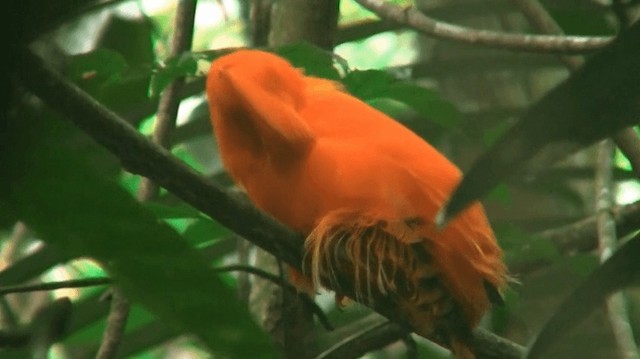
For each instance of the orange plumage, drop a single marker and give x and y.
(362, 188)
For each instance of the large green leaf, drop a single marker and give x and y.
(52, 189)
(375, 84)
(314, 60)
(597, 101)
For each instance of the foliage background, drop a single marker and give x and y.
(460, 98)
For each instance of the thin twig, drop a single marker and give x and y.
(74, 283)
(581, 236)
(255, 271)
(116, 323)
(315, 309)
(362, 29)
(415, 19)
(615, 304)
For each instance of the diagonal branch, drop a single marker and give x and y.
(412, 17)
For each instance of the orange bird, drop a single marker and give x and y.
(362, 188)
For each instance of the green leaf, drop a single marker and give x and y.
(315, 61)
(175, 67)
(391, 108)
(427, 103)
(375, 84)
(55, 192)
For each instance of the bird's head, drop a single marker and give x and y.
(276, 78)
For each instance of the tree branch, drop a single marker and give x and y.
(170, 98)
(116, 323)
(374, 331)
(412, 17)
(360, 30)
(582, 236)
(545, 24)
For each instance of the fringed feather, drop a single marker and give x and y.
(378, 263)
